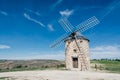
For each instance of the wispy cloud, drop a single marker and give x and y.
(50, 27)
(91, 7)
(4, 46)
(105, 52)
(31, 11)
(111, 7)
(66, 12)
(4, 13)
(57, 55)
(56, 3)
(34, 20)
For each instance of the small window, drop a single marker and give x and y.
(69, 42)
(81, 41)
(75, 50)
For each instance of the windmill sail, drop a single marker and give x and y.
(59, 40)
(67, 26)
(91, 22)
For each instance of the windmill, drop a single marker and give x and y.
(76, 45)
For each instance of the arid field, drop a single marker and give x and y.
(55, 70)
(58, 75)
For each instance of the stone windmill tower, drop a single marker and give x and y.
(76, 45)
(77, 56)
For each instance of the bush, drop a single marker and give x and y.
(25, 66)
(18, 66)
(61, 65)
(46, 66)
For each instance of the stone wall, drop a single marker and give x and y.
(82, 54)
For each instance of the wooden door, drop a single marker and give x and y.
(75, 62)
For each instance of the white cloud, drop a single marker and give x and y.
(31, 11)
(66, 12)
(54, 55)
(50, 27)
(4, 46)
(56, 3)
(105, 52)
(31, 19)
(37, 13)
(4, 13)
(105, 48)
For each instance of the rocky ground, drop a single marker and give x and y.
(58, 75)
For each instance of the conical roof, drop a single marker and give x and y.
(78, 36)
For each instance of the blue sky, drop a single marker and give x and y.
(28, 27)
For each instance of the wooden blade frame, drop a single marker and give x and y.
(59, 40)
(91, 22)
(67, 26)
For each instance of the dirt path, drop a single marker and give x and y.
(59, 75)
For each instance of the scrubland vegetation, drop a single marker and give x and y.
(107, 65)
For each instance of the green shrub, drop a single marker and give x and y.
(46, 66)
(18, 66)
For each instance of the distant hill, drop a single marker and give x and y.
(40, 64)
(29, 64)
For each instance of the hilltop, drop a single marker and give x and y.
(16, 65)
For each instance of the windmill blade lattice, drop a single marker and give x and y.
(67, 26)
(91, 22)
(59, 40)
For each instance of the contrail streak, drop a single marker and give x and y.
(111, 8)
